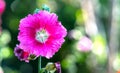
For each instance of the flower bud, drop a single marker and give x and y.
(50, 66)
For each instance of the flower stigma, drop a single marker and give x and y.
(41, 36)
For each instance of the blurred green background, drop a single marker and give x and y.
(96, 19)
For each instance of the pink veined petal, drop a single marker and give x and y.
(26, 34)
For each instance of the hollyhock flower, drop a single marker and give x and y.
(41, 34)
(84, 44)
(22, 55)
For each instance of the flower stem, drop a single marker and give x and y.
(39, 64)
(0, 56)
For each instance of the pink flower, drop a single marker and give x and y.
(2, 6)
(22, 55)
(84, 44)
(41, 34)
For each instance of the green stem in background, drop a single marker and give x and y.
(39, 64)
(0, 56)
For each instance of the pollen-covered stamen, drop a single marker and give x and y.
(41, 36)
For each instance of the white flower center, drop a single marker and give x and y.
(41, 36)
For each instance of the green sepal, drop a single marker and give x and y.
(45, 7)
(43, 70)
(36, 10)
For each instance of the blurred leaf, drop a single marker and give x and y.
(116, 63)
(6, 52)
(5, 38)
(81, 16)
(99, 48)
